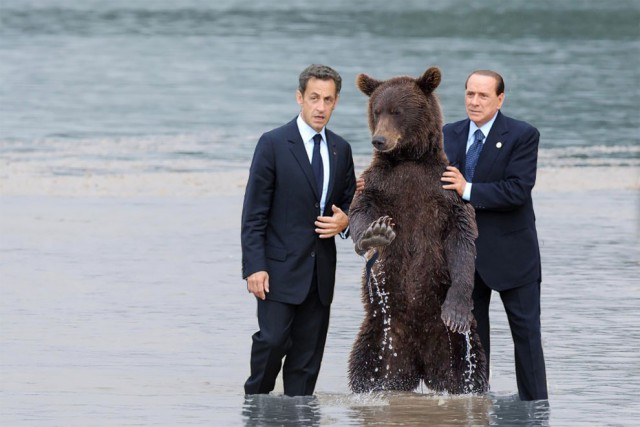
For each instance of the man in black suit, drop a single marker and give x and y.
(297, 198)
(498, 156)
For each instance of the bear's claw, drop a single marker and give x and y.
(456, 319)
(380, 233)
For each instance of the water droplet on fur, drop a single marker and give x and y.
(471, 363)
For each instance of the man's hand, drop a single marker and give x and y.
(329, 226)
(455, 179)
(258, 284)
(359, 185)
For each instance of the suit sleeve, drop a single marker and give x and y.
(349, 189)
(350, 183)
(256, 208)
(513, 189)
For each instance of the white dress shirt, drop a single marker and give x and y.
(307, 133)
(486, 128)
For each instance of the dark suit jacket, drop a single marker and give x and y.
(507, 244)
(281, 204)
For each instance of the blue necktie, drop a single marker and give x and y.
(472, 155)
(316, 163)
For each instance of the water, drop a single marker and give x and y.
(130, 311)
(198, 81)
(126, 129)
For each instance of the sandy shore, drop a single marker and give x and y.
(18, 182)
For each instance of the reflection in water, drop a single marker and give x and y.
(511, 411)
(394, 408)
(274, 410)
(407, 409)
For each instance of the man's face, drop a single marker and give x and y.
(317, 102)
(481, 100)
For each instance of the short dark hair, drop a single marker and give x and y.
(489, 73)
(321, 72)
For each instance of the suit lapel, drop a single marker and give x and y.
(493, 146)
(300, 154)
(461, 134)
(333, 159)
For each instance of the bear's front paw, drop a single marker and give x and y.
(456, 318)
(380, 233)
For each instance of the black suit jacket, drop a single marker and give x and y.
(507, 244)
(281, 204)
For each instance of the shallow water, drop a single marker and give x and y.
(131, 311)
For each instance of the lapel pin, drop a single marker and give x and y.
(499, 145)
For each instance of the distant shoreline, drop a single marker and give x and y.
(232, 182)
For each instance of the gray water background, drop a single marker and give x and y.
(131, 311)
(201, 80)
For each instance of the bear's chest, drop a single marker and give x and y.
(414, 198)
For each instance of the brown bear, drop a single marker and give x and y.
(419, 242)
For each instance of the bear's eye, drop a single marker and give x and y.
(394, 111)
(376, 113)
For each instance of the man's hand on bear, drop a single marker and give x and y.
(455, 180)
(456, 313)
(380, 233)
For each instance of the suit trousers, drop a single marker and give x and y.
(522, 305)
(296, 332)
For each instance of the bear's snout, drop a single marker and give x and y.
(379, 142)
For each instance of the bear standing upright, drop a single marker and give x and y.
(419, 239)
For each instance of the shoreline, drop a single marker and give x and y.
(232, 182)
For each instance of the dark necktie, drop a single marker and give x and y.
(472, 155)
(316, 163)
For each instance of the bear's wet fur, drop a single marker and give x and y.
(423, 237)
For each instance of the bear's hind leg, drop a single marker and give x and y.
(400, 376)
(365, 371)
(454, 367)
(376, 367)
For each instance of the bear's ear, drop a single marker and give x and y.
(367, 84)
(430, 80)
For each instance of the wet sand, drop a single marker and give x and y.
(15, 179)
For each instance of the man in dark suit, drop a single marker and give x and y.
(498, 159)
(299, 190)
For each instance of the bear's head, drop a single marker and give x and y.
(405, 117)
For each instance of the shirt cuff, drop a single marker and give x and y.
(345, 233)
(466, 194)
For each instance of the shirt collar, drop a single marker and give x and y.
(485, 128)
(306, 131)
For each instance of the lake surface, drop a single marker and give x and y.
(126, 129)
(198, 81)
